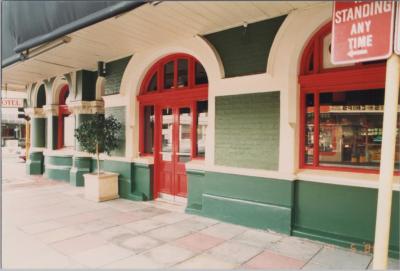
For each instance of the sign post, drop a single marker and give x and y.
(397, 35)
(362, 31)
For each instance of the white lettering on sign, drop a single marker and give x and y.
(362, 31)
(361, 12)
(9, 102)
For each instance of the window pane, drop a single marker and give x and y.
(169, 75)
(185, 124)
(153, 83)
(351, 128)
(148, 129)
(309, 130)
(182, 73)
(166, 134)
(200, 74)
(202, 122)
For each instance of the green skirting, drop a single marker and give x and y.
(58, 167)
(35, 164)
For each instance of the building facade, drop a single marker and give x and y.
(251, 124)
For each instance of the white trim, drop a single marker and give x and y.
(59, 152)
(51, 166)
(56, 87)
(36, 149)
(252, 172)
(144, 160)
(344, 178)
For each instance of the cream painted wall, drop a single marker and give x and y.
(281, 74)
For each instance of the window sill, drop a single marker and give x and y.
(344, 178)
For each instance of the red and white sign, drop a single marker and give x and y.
(12, 102)
(397, 36)
(362, 31)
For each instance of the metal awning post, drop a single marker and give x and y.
(384, 207)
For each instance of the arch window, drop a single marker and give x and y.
(179, 71)
(41, 97)
(65, 121)
(341, 110)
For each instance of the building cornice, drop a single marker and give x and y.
(51, 109)
(86, 107)
(35, 112)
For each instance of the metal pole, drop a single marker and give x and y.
(384, 208)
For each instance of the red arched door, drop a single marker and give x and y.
(173, 117)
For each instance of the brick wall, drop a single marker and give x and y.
(119, 113)
(247, 130)
(115, 71)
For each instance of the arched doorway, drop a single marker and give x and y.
(63, 113)
(173, 118)
(341, 110)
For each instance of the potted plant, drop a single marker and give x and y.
(96, 135)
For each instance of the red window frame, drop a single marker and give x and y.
(190, 94)
(62, 113)
(341, 79)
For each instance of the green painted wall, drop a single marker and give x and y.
(135, 181)
(86, 85)
(247, 130)
(52, 129)
(41, 97)
(115, 71)
(118, 113)
(245, 51)
(80, 166)
(342, 215)
(38, 132)
(35, 163)
(58, 167)
(251, 201)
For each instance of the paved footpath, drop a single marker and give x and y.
(49, 224)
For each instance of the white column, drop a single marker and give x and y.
(384, 208)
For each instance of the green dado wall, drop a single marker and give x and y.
(247, 130)
(343, 215)
(118, 113)
(58, 167)
(135, 181)
(115, 71)
(251, 201)
(243, 50)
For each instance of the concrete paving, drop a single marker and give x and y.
(49, 224)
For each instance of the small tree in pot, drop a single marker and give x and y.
(96, 135)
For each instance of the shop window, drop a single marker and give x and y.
(185, 142)
(202, 122)
(169, 75)
(148, 130)
(182, 73)
(152, 83)
(349, 125)
(200, 74)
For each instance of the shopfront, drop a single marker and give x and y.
(248, 123)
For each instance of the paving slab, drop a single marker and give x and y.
(224, 230)
(168, 255)
(339, 258)
(258, 238)
(168, 233)
(297, 248)
(115, 233)
(144, 225)
(234, 252)
(272, 260)
(198, 242)
(205, 262)
(78, 244)
(138, 243)
(102, 255)
(41, 227)
(134, 262)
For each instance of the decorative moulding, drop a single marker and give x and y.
(51, 109)
(86, 107)
(35, 112)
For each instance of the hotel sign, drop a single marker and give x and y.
(397, 37)
(362, 31)
(12, 103)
